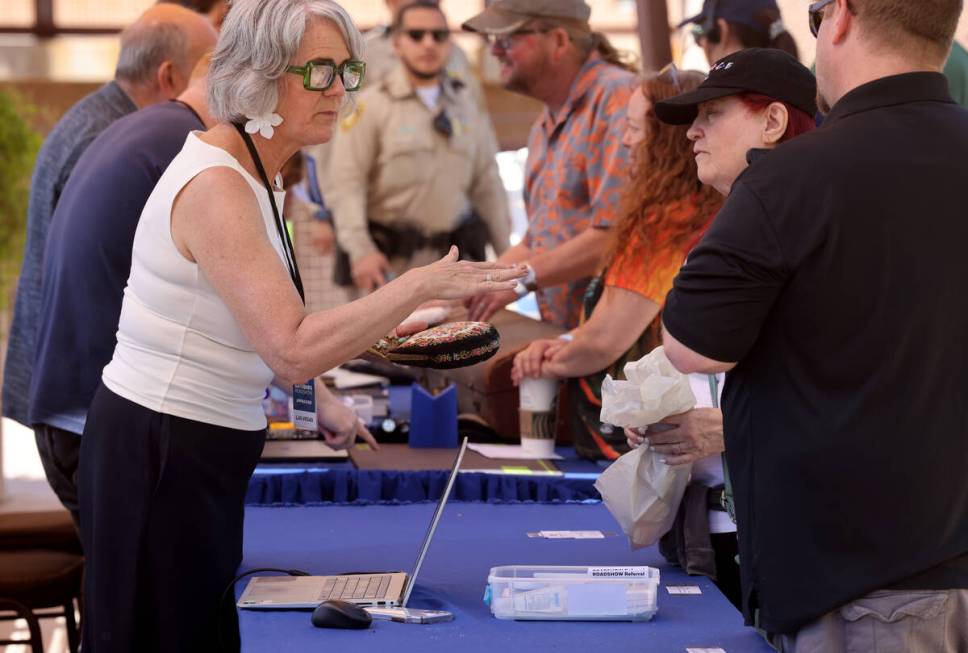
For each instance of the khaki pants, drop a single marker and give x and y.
(889, 621)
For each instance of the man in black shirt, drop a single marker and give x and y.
(832, 287)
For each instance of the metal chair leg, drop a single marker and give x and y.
(36, 640)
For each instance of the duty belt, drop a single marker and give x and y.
(403, 240)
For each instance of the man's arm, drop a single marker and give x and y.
(354, 153)
(572, 260)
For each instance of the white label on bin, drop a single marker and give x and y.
(619, 572)
(683, 589)
(572, 535)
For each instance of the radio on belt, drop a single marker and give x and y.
(541, 593)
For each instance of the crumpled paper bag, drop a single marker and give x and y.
(640, 490)
(654, 390)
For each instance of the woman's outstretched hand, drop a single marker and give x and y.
(449, 278)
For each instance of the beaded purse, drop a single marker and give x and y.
(457, 344)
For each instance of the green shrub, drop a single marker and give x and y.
(18, 150)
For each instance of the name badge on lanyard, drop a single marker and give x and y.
(304, 406)
(303, 394)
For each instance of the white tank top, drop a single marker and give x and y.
(180, 350)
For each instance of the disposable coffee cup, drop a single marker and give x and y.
(537, 416)
(538, 394)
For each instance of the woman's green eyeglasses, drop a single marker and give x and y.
(319, 75)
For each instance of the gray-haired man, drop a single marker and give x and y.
(158, 52)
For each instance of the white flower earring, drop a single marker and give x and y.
(264, 124)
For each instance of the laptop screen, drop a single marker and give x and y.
(433, 523)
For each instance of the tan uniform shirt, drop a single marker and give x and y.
(381, 60)
(391, 166)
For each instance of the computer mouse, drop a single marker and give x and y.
(341, 614)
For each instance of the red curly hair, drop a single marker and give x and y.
(663, 181)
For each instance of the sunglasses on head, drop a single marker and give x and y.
(319, 75)
(815, 14)
(670, 74)
(417, 35)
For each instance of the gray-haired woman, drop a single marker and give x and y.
(211, 313)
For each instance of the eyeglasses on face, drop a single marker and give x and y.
(319, 75)
(506, 42)
(815, 14)
(417, 35)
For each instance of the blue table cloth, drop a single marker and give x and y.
(472, 538)
(340, 482)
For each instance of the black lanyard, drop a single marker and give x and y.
(280, 225)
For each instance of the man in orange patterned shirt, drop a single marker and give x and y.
(576, 165)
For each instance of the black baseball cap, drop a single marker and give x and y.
(769, 72)
(742, 12)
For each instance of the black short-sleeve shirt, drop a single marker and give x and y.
(836, 276)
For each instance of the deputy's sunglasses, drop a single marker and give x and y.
(319, 75)
(815, 13)
(417, 35)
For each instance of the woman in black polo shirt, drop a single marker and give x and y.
(752, 101)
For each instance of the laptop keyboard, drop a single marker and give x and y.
(350, 588)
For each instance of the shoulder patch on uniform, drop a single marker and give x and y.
(350, 121)
(456, 79)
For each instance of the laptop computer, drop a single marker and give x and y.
(388, 590)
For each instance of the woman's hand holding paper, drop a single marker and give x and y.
(687, 437)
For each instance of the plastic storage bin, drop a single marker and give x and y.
(573, 593)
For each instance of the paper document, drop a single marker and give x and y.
(345, 379)
(683, 589)
(508, 451)
(568, 535)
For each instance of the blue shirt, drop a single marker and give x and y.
(88, 257)
(55, 162)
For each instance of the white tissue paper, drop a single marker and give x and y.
(640, 490)
(654, 390)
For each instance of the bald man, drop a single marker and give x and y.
(158, 52)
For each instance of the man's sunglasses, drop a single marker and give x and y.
(815, 13)
(417, 35)
(319, 75)
(506, 42)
